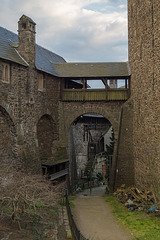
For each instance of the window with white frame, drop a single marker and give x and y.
(5, 72)
(41, 82)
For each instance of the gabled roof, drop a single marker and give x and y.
(44, 58)
(7, 50)
(24, 17)
(93, 70)
(54, 64)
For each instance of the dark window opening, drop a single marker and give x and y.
(24, 25)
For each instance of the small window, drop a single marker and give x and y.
(24, 25)
(41, 82)
(6, 72)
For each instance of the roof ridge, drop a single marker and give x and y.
(49, 51)
(28, 18)
(9, 31)
(15, 34)
(126, 62)
(44, 58)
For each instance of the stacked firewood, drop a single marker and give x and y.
(136, 195)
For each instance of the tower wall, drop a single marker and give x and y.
(144, 59)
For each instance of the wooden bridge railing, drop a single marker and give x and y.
(95, 94)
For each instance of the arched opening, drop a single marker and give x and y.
(46, 134)
(7, 138)
(52, 165)
(91, 145)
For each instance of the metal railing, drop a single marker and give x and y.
(88, 185)
(76, 234)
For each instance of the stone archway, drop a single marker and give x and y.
(72, 110)
(46, 134)
(69, 111)
(96, 112)
(89, 135)
(7, 138)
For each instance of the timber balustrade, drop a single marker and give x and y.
(95, 94)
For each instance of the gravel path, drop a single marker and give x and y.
(95, 219)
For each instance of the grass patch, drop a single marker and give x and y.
(143, 226)
(62, 201)
(71, 198)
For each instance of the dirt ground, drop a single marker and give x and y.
(42, 225)
(30, 207)
(95, 219)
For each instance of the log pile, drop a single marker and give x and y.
(137, 196)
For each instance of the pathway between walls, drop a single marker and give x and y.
(94, 217)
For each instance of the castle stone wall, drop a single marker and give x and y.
(144, 52)
(24, 104)
(125, 160)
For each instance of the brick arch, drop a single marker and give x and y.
(42, 113)
(72, 110)
(98, 113)
(8, 137)
(82, 115)
(46, 135)
(111, 111)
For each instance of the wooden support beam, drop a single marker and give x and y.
(84, 88)
(126, 83)
(104, 80)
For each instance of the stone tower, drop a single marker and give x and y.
(144, 59)
(26, 37)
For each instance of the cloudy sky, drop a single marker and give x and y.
(78, 30)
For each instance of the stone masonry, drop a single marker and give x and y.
(35, 122)
(144, 52)
(26, 113)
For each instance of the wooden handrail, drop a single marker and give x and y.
(95, 94)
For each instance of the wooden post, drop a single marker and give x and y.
(84, 88)
(106, 87)
(125, 83)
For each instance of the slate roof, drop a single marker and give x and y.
(7, 51)
(54, 64)
(44, 58)
(93, 70)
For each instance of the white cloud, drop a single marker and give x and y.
(78, 30)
